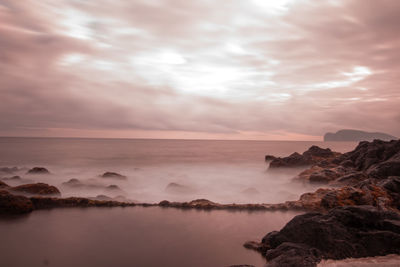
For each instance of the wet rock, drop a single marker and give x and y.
(352, 231)
(269, 157)
(312, 156)
(17, 180)
(48, 202)
(3, 185)
(11, 204)
(177, 188)
(36, 189)
(294, 160)
(103, 198)
(251, 191)
(316, 151)
(324, 176)
(38, 170)
(113, 175)
(9, 170)
(113, 187)
(370, 155)
(73, 183)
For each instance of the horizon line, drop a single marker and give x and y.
(176, 139)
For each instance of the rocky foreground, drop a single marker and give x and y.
(356, 213)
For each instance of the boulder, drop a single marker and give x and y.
(36, 189)
(312, 156)
(294, 160)
(269, 157)
(38, 170)
(351, 231)
(177, 188)
(113, 175)
(11, 204)
(3, 185)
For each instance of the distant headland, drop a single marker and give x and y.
(356, 135)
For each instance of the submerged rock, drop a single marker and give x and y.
(36, 189)
(177, 188)
(11, 204)
(9, 170)
(113, 175)
(352, 231)
(38, 170)
(17, 180)
(250, 191)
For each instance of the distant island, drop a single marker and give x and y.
(356, 135)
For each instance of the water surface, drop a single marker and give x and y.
(135, 236)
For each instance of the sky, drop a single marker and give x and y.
(202, 69)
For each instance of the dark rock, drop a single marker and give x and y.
(38, 170)
(17, 180)
(177, 188)
(9, 170)
(269, 157)
(36, 189)
(113, 175)
(323, 177)
(352, 231)
(49, 202)
(73, 182)
(294, 160)
(11, 204)
(316, 151)
(3, 185)
(312, 156)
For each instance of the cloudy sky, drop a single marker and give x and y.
(234, 69)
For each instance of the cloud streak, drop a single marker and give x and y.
(168, 68)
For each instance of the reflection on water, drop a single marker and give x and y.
(135, 236)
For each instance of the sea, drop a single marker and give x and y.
(217, 170)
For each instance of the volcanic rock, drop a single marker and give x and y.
(36, 189)
(352, 231)
(38, 170)
(113, 175)
(11, 204)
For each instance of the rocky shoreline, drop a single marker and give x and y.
(354, 214)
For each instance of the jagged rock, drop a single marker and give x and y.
(294, 160)
(3, 185)
(312, 156)
(11, 204)
(36, 189)
(316, 151)
(352, 231)
(368, 155)
(269, 157)
(38, 170)
(113, 175)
